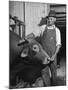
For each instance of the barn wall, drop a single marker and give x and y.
(33, 14)
(16, 9)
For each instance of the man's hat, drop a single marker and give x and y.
(52, 14)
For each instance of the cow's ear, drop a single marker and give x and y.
(24, 53)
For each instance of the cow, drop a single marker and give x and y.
(27, 60)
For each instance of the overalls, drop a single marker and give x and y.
(49, 45)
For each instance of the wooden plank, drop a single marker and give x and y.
(61, 27)
(62, 9)
(60, 24)
(60, 16)
(61, 20)
(58, 5)
(60, 12)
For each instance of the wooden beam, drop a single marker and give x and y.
(60, 24)
(63, 23)
(61, 27)
(61, 20)
(58, 5)
(60, 12)
(23, 28)
(60, 16)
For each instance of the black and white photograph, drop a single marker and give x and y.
(37, 44)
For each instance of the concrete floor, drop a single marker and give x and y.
(61, 73)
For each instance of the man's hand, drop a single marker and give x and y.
(46, 60)
(52, 58)
(57, 50)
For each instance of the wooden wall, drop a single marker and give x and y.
(60, 10)
(33, 14)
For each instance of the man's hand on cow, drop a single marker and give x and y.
(52, 58)
(46, 61)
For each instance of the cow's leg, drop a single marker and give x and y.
(38, 83)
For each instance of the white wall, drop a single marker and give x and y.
(33, 14)
(16, 9)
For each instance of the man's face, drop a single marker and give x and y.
(51, 20)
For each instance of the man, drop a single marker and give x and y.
(51, 42)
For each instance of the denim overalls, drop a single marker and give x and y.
(49, 45)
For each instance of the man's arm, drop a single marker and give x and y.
(57, 50)
(58, 43)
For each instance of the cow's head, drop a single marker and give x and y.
(32, 48)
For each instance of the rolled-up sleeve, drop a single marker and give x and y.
(58, 37)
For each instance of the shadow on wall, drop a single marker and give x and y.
(62, 51)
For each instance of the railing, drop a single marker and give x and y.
(18, 26)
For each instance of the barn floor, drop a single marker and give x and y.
(61, 75)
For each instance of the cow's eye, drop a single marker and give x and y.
(36, 48)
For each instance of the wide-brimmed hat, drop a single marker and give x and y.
(52, 13)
